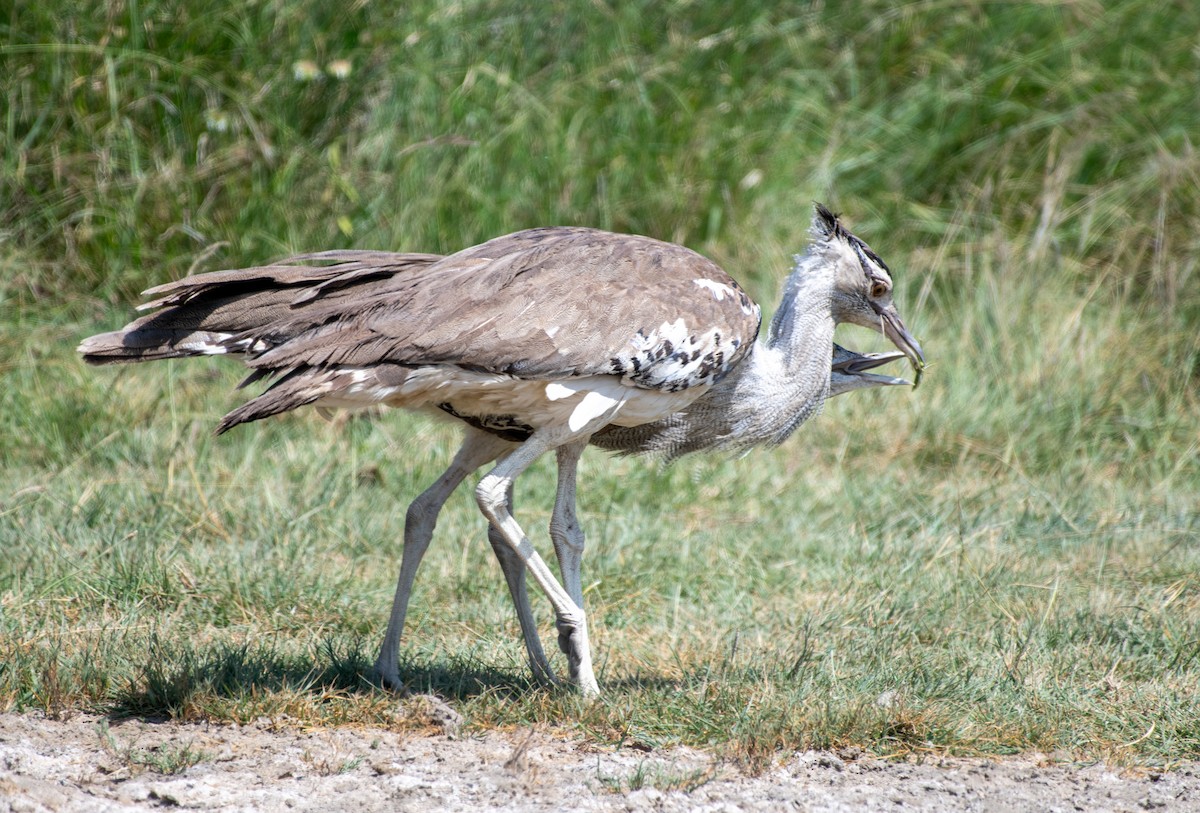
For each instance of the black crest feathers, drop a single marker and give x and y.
(827, 225)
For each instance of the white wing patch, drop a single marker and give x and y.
(557, 391)
(593, 405)
(720, 290)
(600, 396)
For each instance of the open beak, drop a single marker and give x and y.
(892, 326)
(850, 363)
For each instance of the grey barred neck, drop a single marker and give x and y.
(786, 380)
(807, 297)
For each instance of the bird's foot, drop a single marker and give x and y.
(543, 674)
(387, 676)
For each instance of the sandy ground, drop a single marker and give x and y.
(89, 764)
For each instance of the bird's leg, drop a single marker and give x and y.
(478, 448)
(514, 575)
(568, 536)
(491, 495)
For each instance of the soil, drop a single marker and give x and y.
(88, 763)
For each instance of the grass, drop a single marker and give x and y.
(664, 778)
(1004, 560)
(166, 758)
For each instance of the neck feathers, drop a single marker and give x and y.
(806, 302)
(787, 379)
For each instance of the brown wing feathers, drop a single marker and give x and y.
(544, 303)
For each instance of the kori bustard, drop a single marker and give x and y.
(543, 340)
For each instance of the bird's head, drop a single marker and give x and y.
(862, 288)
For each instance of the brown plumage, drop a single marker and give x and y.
(544, 304)
(197, 313)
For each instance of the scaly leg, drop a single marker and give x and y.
(514, 575)
(491, 495)
(568, 545)
(565, 530)
(478, 448)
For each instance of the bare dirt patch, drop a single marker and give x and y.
(89, 764)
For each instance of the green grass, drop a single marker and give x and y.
(1004, 560)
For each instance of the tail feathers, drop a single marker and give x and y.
(248, 310)
(149, 344)
(296, 389)
(251, 311)
(290, 282)
(237, 283)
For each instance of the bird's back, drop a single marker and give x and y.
(550, 304)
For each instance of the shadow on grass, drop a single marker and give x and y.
(179, 678)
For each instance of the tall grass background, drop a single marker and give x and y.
(1004, 560)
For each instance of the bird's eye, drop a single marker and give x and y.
(878, 289)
